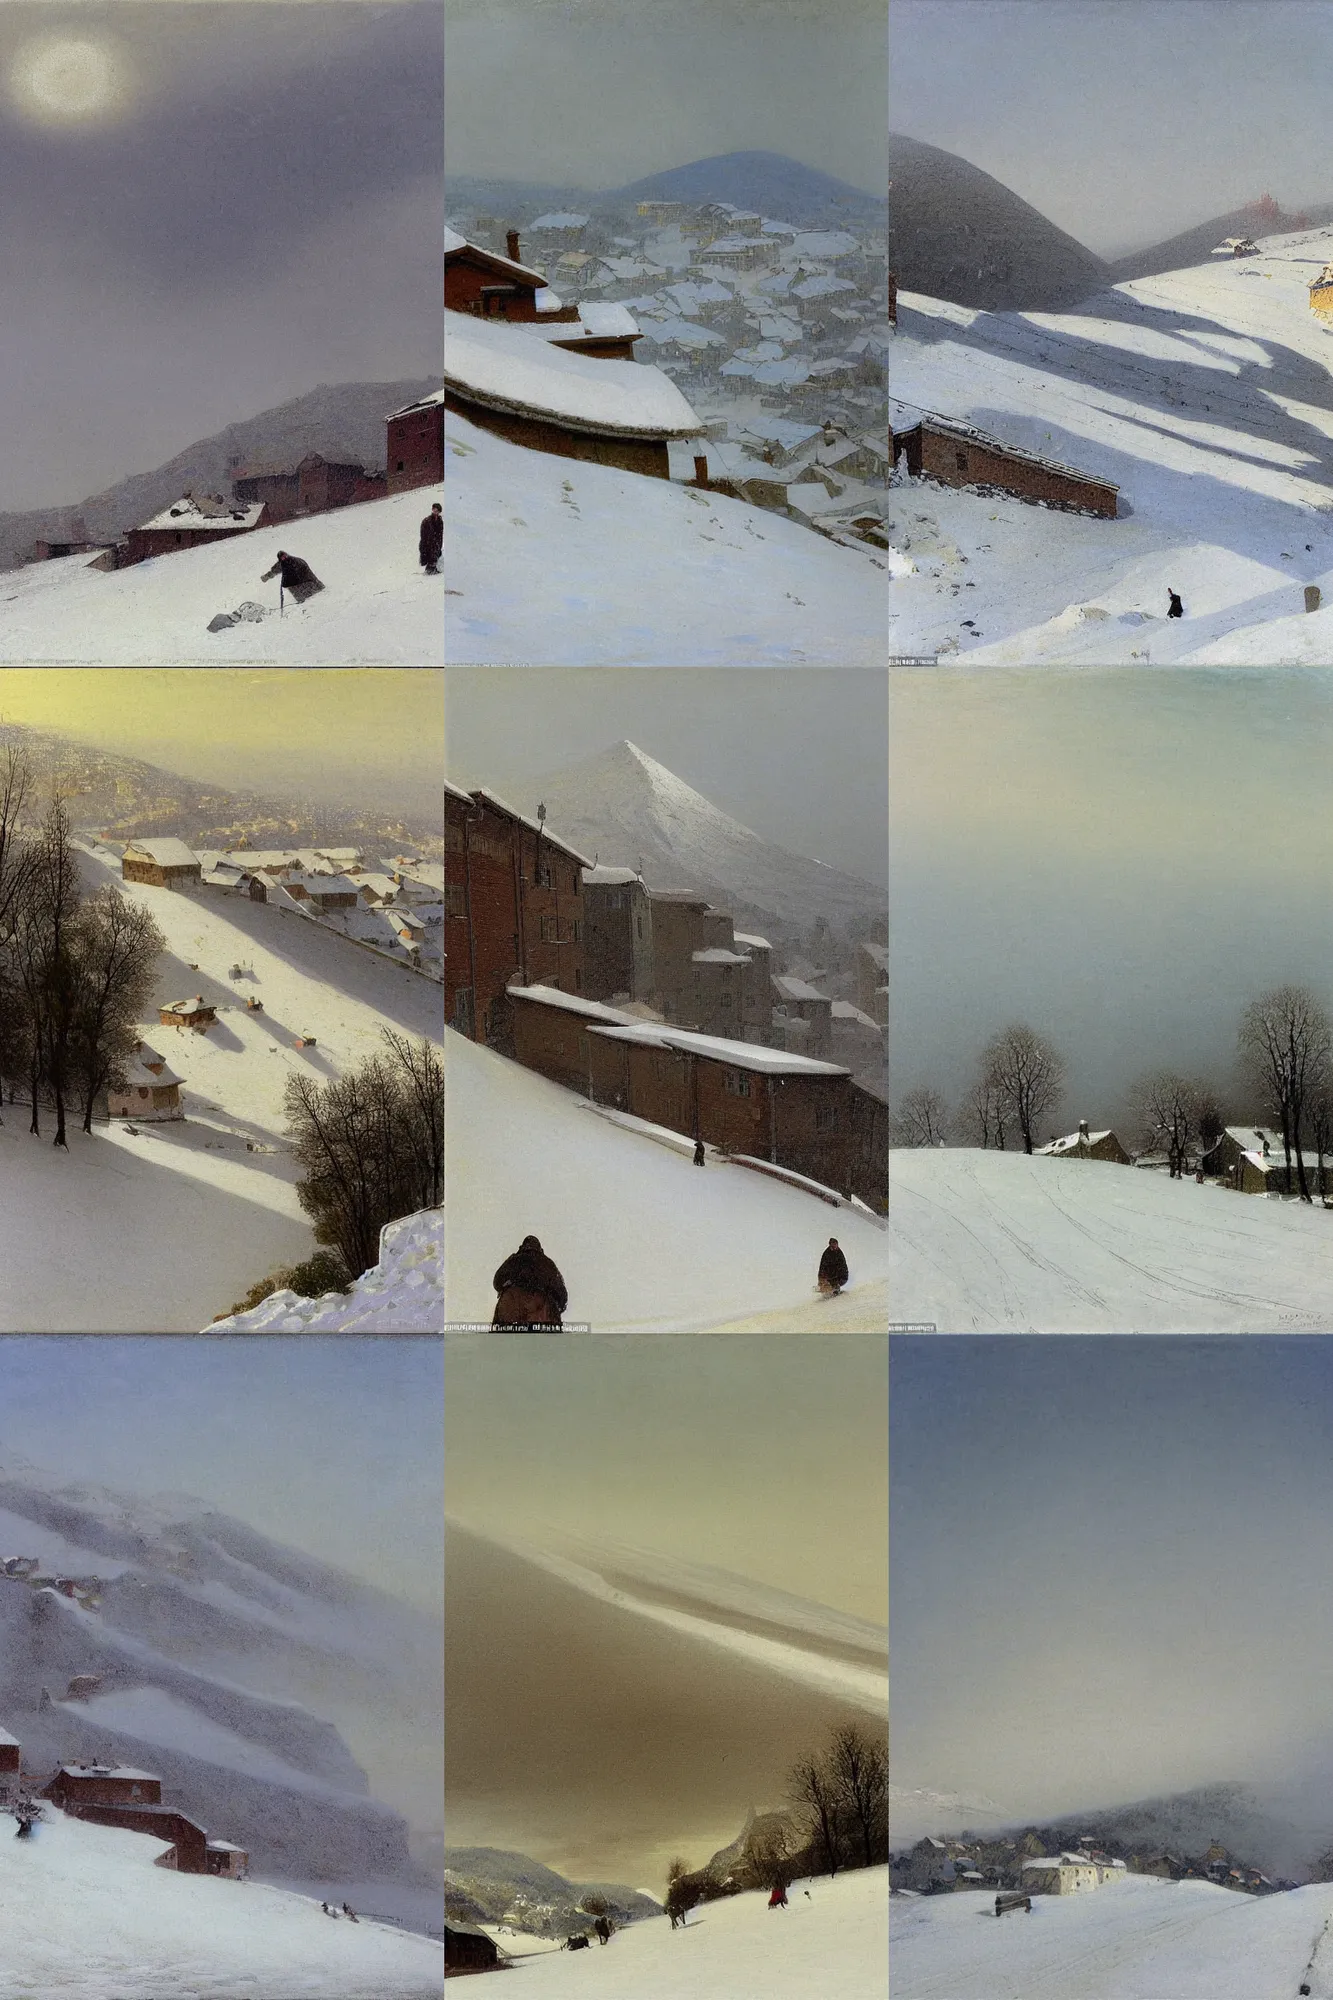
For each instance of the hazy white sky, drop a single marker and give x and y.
(1110, 1564)
(595, 93)
(332, 1445)
(1124, 121)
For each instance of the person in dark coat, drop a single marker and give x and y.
(603, 1928)
(531, 1289)
(832, 1268)
(431, 545)
(1177, 608)
(698, 1152)
(297, 577)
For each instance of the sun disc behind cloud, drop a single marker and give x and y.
(68, 79)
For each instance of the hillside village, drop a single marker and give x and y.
(1040, 1861)
(649, 1004)
(761, 351)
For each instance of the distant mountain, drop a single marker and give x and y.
(1195, 246)
(343, 420)
(771, 183)
(125, 798)
(494, 1885)
(623, 807)
(1249, 1822)
(957, 233)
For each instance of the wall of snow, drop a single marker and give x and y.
(403, 1293)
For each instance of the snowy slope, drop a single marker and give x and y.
(165, 1226)
(403, 1293)
(554, 562)
(987, 1242)
(624, 806)
(830, 1942)
(378, 608)
(1139, 1939)
(89, 1917)
(1205, 394)
(646, 1242)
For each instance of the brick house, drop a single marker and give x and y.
(191, 523)
(716, 1007)
(803, 1002)
(489, 286)
(550, 1032)
(1253, 1160)
(513, 911)
(315, 486)
(415, 444)
(617, 934)
(76, 1785)
(151, 1092)
(1086, 1145)
(11, 1759)
(166, 864)
(193, 1013)
(957, 454)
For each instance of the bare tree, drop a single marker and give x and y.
(1286, 1046)
(812, 1789)
(981, 1114)
(859, 1769)
(923, 1118)
(1027, 1074)
(421, 1079)
(116, 948)
(1173, 1111)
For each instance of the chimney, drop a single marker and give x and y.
(512, 240)
(700, 469)
(1082, 1128)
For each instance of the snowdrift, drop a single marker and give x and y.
(987, 1242)
(555, 562)
(378, 607)
(403, 1293)
(646, 1242)
(1206, 395)
(831, 1940)
(1140, 1939)
(89, 1916)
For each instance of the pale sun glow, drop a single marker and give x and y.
(67, 79)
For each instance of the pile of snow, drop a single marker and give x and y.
(403, 1293)
(1205, 394)
(566, 563)
(504, 368)
(831, 1941)
(1137, 1939)
(985, 1242)
(90, 1916)
(377, 608)
(647, 1243)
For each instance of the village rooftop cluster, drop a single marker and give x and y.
(651, 1005)
(769, 348)
(1018, 1866)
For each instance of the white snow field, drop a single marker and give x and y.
(403, 1293)
(1206, 395)
(378, 607)
(556, 562)
(89, 1917)
(986, 1242)
(646, 1242)
(160, 1228)
(830, 1943)
(1140, 1939)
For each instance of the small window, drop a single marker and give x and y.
(578, 980)
(638, 926)
(725, 1000)
(826, 1118)
(549, 932)
(737, 1082)
(543, 876)
(578, 933)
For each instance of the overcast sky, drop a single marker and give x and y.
(1124, 121)
(328, 1445)
(364, 737)
(247, 204)
(1109, 1565)
(1114, 857)
(595, 93)
(797, 755)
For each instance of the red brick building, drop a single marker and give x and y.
(550, 1032)
(191, 524)
(191, 1852)
(513, 912)
(76, 1785)
(478, 281)
(315, 486)
(957, 454)
(416, 444)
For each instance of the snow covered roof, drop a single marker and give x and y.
(716, 955)
(533, 825)
(453, 241)
(598, 322)
(958, 427)
(456, 245)
(825, 243)
(1073, 1140)
(559, 221)
(796, 989)
(104, 1771)
(822, 286)
(741, 1055)
(5, 1737)
(138, 1076)
(502, 367)
(191, 1006)
(843, 1010)
(570, 1003)
(745, 937)
(422, 403)
(1249, 1137)
(457, 792)
(601, 873)
(190, 513)
(168, 853)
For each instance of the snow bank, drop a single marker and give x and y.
(504, 366)
(88, 1916)
(378, 607)
(403, 1293)
(831, 1941)
(560, 563)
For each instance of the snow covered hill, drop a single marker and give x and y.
(625, 807)
(647, 1243)
(89, 1917)
(1206, 395)
(378, 607)
(831, 1942)
(554, 562)
(1140, 1939)
(403, 1293)
(161, 1227)
(985, 1242)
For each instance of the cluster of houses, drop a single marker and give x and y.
(121, 1795)
(1252, 1159)
(650, 1003)
(745, 308)
(264, 497)
(395, 906)
(1032, 1863)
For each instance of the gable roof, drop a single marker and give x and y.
(461, 249)
(167, 853)
(505, 368)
